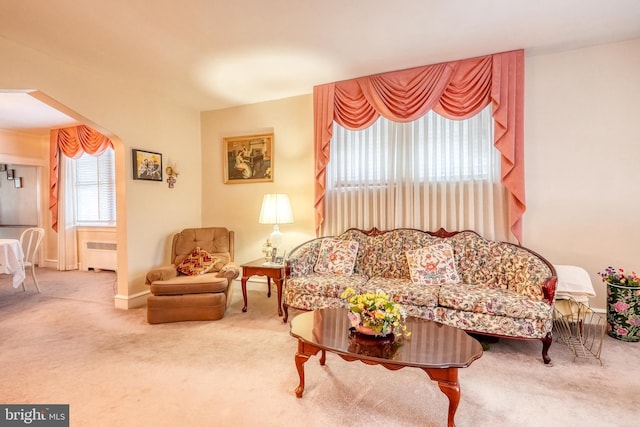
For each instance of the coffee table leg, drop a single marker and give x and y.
(448, 382)
(301, 359)
(304, 352)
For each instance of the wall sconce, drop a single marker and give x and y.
(172, 174)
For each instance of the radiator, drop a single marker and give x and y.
(99, 256)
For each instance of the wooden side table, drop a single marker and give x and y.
(260, 268)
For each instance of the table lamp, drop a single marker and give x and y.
(275, 210)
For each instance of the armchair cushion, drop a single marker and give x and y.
(198, 262)
(200, 284)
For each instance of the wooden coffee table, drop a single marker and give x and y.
(437, 349)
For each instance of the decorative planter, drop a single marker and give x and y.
(359, 327)
(623, 312)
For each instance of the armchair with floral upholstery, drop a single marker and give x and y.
(198, 284)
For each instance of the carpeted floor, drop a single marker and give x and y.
(69, 345)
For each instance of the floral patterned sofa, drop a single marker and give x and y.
(456, 278)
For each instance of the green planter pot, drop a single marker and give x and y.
(623, 312)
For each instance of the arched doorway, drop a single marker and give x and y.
(26, 119)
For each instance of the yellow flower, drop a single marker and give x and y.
(376, 311)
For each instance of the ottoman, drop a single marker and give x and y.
(179, 308)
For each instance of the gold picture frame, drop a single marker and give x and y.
(248, 159)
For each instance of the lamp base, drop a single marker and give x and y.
(276, 238)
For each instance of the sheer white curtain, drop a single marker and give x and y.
(67, 238)
(430, 173)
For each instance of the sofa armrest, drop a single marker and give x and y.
(161, 273)
(549, 289)
(302, 259)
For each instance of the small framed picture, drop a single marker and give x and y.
(11, 173)
(248, 159)
(3, 167)
(17, 182)
(147, 165)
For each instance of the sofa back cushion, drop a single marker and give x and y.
(479, 262)
(383, 255)
(336, 257)
(432, 265)
(498, 265)
(217, 241)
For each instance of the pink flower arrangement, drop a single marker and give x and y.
(619, 277)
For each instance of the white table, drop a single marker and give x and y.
(12, 260)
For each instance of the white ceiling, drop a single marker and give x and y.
(211, 54)
(21, 111)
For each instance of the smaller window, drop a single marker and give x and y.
(96, 188)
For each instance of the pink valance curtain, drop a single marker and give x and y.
(456, 90)
(72, 142)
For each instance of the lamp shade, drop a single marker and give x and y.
(276, 209)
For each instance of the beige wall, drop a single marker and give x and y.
(28, 150)
(147, 211)
(19, 205)
(237, 206)
(582, 158)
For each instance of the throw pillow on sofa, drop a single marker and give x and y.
(336, 257)
(198, 262)
(432, 265)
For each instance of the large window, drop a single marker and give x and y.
(429, 149)
(95, 189)
(429, 173)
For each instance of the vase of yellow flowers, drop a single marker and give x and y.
(375, 314)
(623, 304)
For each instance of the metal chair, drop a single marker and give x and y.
(30, 240)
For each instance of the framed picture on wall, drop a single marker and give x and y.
(147, 165)
(11, 173)
(248, 159)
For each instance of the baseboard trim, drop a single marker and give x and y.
(126, 302)
(50, 263)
